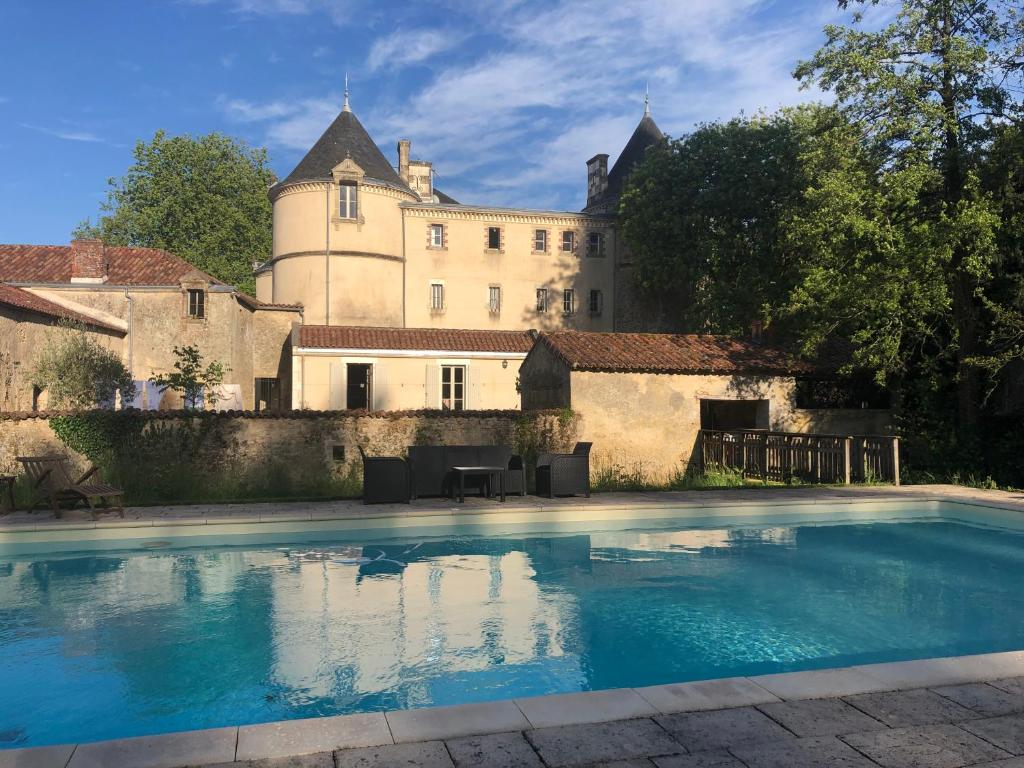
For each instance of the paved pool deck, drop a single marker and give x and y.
(349, 510)
(932, 713)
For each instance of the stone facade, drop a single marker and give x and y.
(22, 334)
(307, 444)
(648, 423)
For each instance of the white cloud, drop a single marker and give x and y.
(412, 46)
(539, 86)
(339, 11)
(67, 135)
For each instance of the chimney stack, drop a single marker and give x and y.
(597, 178)
(88, 261)
(403, 159)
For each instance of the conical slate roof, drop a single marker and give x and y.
(345, 137)
(647, 133)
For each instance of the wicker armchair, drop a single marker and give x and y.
(385, 479)
(564, 474)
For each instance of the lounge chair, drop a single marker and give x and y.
(564, 474)
(50, 481)
(385, 479)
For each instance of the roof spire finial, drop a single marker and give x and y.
(647, 99)
(345, 107)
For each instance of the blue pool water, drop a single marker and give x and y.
(99, 644)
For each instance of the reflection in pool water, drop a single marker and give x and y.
(107, 644)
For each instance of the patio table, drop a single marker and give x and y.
(489, 472)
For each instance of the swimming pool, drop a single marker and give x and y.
(98, 642)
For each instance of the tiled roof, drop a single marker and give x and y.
(669, 353)
(126, 266)
(345, 137)
(22, 299)
(351, 337)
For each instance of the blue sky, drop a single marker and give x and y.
(508, 99)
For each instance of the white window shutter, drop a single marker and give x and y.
(472, 390)
(379, 384)
(432, 388)
(336, 395)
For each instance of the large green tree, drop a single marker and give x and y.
(926, 90)
(701, 216)
(203, 198)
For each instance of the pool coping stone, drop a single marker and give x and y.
(312, 735)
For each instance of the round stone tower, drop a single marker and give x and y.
(338, 231)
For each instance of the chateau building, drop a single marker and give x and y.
(381, 291)
(360, 244)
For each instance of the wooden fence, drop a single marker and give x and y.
(783, 456)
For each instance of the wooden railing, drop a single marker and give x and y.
(783, 456)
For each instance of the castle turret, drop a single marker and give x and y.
(338, 230)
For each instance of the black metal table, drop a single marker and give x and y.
(7, 493)
(462, 473)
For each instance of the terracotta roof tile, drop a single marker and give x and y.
(126, 266)
(445, 340)
(669, 353)
(16, 297)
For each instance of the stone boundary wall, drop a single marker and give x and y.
(304, 445)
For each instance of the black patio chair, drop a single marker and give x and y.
(385, 479)
(564, 474)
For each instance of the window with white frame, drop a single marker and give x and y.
(542, 300)
(494, 299)
(196, 306)
(494, 238)
(453, 387)
(437, 235)
(596, 302)
(437, 297)
(348, 197)
(568, 241)
(540, 240)
(595, 244)
(569, 301)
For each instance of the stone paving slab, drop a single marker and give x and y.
(720, 729)
(320, 760)
(821, 683)
(706, 694)
(820, 717)
(428, 754)
(928, 746)
(813, 752)
(37, 757)
(585, 707)
(317, 734)
(1014, 685)
(451, 722)
(571, 745)
(900, 709)
(498, 750)
(983, 698)
(1005, 732)
(697, 761)
(169, 750)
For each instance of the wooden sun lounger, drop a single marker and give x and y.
(50, 481)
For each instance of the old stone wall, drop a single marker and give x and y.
(649, 423)
(22, 335)
(303, 449)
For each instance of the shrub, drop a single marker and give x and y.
(78, 373)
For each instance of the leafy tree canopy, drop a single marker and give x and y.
(202, 198)
(77, 373)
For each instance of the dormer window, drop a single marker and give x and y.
(196, 303)
(348, 196)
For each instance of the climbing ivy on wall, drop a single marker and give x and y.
(101, 436)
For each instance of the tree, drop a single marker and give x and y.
(203, 199)
(925, 90)
(190, 379)
(78, 373)
(701, 217)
